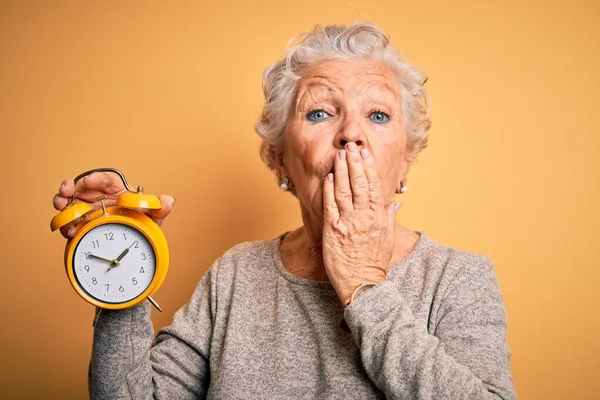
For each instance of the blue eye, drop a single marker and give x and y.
(317, 115)
(379, 117)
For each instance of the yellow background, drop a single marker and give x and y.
(168, 93)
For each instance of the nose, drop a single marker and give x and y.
(350, 130)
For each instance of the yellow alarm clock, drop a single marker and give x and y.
(118, 256)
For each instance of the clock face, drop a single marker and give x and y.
(114, 263)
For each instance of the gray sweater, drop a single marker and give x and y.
(435, 329)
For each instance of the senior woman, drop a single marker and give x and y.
(350, 304)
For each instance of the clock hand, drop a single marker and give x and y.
(112, 265)
(115, 262)
(100, 258)
(123, 253)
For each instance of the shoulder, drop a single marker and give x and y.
(440, 269)
(238, 270)
(251, 258)
(448, 259)
(250, 251)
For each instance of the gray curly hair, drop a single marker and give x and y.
(335, 42)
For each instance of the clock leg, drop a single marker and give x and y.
(96, 316)
(154, 303)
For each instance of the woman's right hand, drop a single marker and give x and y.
(97, 184)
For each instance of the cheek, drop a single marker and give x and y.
(298, 169)
(389, 170)
(304, 153)
(390, 162)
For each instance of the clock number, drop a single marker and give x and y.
(124, 237)
(143, 256)
(109, 236)
(94, 281)
(107, 286)
(121, 289)
(136, 244)
(96, 243)
(134, 281)
(142, 270)
(87, 268)
(88, 255)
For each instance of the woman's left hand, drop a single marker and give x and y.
(358, 231)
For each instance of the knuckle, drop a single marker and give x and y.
(360, 185)
(374, 187)
(344, 191)
(341, 230)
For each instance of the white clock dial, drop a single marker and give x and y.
(114, 263)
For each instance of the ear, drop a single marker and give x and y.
(277, 162)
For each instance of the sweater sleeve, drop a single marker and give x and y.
(467, 357)
(129, 363)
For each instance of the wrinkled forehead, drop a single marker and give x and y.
(332, 77)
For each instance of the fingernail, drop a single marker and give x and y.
(63, 184)
(351, 146)
(342, 155)
(364, 153)
(330, 177)
(397, 206)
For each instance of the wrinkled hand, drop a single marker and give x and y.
(97, 184)
(358, 231)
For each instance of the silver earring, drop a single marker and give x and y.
(403, 189)
(285, 186)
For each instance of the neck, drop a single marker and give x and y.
(312, 233)
(302, 251)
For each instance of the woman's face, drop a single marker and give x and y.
(339, 102)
